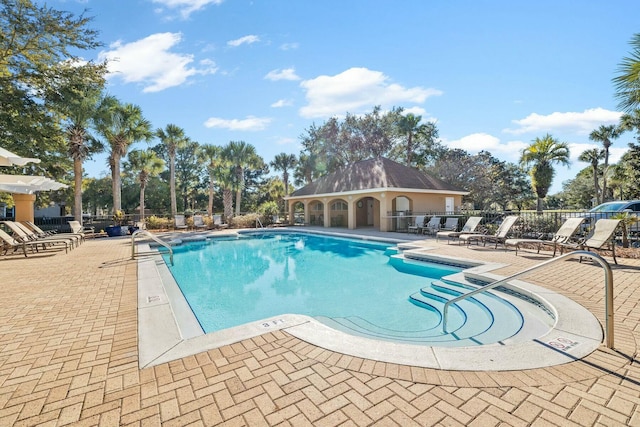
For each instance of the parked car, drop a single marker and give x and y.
(609, 209)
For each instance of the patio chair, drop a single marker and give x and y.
(198, 222)
(602, 237)
(432, 226)
(21, 235)
(469, 227)
(417, 226)
(450, 224)
(81, 230)
(217, 222)
(562, 236)
(9, 242)
(29, 227)
(500, 235)
(180, 223)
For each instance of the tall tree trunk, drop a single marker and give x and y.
(142, 186)
(227, 200)
(172, 184)
(211, 193)
(77, 190)
(539, 205)
(116, 183)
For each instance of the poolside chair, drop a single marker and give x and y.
(217, 222)
(30, 227)
(469, 227)
(450, 224)
(432, 226)
(9, 242)
(81, 230)
(562, 236)
(500, 235)
(180, 223)
(21, 235)
(417, 226)
(198, 222)
(602, 237)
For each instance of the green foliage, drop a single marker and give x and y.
(244, 221)
(627, 219)
(267, 210)
(157, 223)
(627, 82)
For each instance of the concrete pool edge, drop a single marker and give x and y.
(168, 330)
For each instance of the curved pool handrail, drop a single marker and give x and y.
(154, 238)
(608, 280)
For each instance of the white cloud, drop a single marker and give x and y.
(249, 124)
(243, 40)
(289, 46)
(477, 142)
(187, 7)
(150, 62)
(417, 111)
(582, 123)
(282, 103)
(357, 90)
(285, 141)
(286, 74)
(575, 149)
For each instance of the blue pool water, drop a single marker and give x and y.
(233, 281)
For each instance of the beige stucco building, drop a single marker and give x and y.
(378, 193)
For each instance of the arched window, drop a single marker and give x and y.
(339, 205)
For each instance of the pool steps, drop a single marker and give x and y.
(495, 322)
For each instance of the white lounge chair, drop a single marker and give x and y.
(217, 222)
(450, 224)
(499, 237)
(432, 226)
(22, 235)
(9, 242)
(562, 236)
(469, 227)
(602, 237)
(198, 222)
(417, 226)
(180, 223)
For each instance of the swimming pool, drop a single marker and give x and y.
(355, 286)
(554, 328)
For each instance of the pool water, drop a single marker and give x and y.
(233, 281)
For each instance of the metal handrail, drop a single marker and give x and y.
(608, 280)
(154, 238)
(259, 222)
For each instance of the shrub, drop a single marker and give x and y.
(157, 223)
(244, 221)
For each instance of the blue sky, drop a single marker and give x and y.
(494, 75)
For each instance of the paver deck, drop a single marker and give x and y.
(69, 356)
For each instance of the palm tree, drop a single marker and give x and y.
(144, 164)
(122, 125)
(627, 83)
(305, 170)
(539, 157)
(173, 138)
(605, 134)
(410, 126)
(593, 156)
(284, 162)
(241, 156)
(211, 156)
(225, 175)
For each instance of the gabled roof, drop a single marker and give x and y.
(379, 173)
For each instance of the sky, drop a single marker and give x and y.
(493, 75)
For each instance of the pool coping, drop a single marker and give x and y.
(168, 329)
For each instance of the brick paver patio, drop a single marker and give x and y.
(68, 356)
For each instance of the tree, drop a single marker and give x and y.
(241, 156)
(121, 125)
(39, 48)
(284, 162)
(593, 156)
(144, 164)
(188, 173)
(211, 156)
(539, 157)
(627, 82)
(605, 134)
(172, 137)
(77, 98)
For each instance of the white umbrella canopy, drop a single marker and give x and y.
(26, 184)
(7, 158)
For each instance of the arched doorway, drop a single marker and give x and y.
(338, 211)
(365, 212)
(316, 213)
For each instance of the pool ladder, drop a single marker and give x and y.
(608, 281)
(152, 237)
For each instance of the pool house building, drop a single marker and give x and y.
(377, 193)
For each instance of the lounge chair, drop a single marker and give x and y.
(29, 227)
(450, 224)
(9, 242)
(198, 222)
(432, 226)
(21, 235)
(180, 223)
(417, 226)
(499, 237)
(602, 237)
(469, 227)
(562, 236)
(217, 222)
(81, 230)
